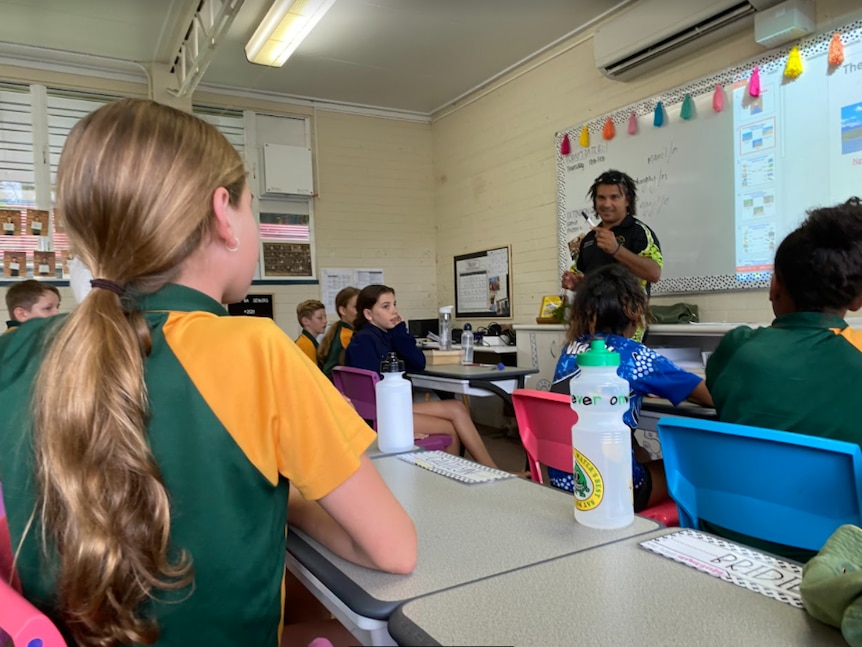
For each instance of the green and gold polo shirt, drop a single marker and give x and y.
(801, 374)
(236, 414)
(308, 345)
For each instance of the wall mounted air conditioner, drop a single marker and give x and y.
(651, 33)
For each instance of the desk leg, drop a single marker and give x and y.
(368, 631)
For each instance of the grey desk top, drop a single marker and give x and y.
(466, 532)
(689, 409)
(461, 372)
(616, 594)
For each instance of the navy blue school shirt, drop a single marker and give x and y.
(370, 345)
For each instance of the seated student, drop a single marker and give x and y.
(380, 330)
(611, 304)
(311, 315)
(31, 299)
(335, 341)
(802, 373)
(148, 441)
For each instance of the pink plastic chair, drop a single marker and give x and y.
(24, 623)
(6, 555)
(545, 423)
(358, 385)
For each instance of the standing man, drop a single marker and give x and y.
(619, 238)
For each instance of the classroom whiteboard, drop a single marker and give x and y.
(723, 188)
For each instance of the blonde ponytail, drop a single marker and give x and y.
(135, 187)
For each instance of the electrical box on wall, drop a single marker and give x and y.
(784, 23)
(287, 170)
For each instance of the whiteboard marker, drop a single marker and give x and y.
(588, 219)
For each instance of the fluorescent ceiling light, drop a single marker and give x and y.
(283, 28)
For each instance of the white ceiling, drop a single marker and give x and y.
(408, 55)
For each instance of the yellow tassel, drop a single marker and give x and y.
(585, 137)
(793, 68)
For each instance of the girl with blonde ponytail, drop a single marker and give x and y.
(147, 440)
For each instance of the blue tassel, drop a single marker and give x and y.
(658, 117)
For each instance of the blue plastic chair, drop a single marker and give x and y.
(777, 486)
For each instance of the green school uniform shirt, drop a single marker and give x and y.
(801, 374)
(308, 345)
(236, 413)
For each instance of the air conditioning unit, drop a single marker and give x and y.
(652, 33)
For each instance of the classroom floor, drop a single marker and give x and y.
(505, 449)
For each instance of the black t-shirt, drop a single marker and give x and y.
(632, 234)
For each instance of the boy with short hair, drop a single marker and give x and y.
(803, 373)
(311, 315)
(31, 299)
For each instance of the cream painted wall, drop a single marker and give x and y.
(407, 197)
(495, 173)
(375, 207)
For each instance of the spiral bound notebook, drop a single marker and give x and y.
(454, 467)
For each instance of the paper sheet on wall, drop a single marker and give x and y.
(775, 578)
(335, 279)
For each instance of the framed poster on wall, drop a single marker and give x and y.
(482, 284)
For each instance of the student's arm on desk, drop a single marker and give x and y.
(701, 395)
(361, 521)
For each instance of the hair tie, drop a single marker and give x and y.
(111, 286)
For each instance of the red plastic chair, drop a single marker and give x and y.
(545, 423)
(358, 385)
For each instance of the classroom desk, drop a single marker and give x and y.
(466, 532)
(654, 409)
(615, 594)
(479, 381)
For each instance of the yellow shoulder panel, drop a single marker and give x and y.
(345, 335)
(307, 347)
(283, 412)
(851, 335)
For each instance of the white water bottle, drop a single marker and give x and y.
(394, 407)
(601, 441)
(467, 344)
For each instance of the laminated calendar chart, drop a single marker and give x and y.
(454, 467)
(775, 578)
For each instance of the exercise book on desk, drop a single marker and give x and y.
(770, 576)
(454, 467)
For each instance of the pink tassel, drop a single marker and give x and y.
(754, 83)
(565, 145)
(633, 123)
(718, 98)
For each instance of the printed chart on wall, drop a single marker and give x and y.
(722, 175)
(482, 286)
(334, 279)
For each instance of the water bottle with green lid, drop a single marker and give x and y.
(601, 441)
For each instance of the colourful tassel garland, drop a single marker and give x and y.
(585, 137)
(565, 145)
(793, 67)
(633, 123)
(718, 98)
(658, 116)
(836, 50)
(687, 110)
(754, 83)
(609, 130)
